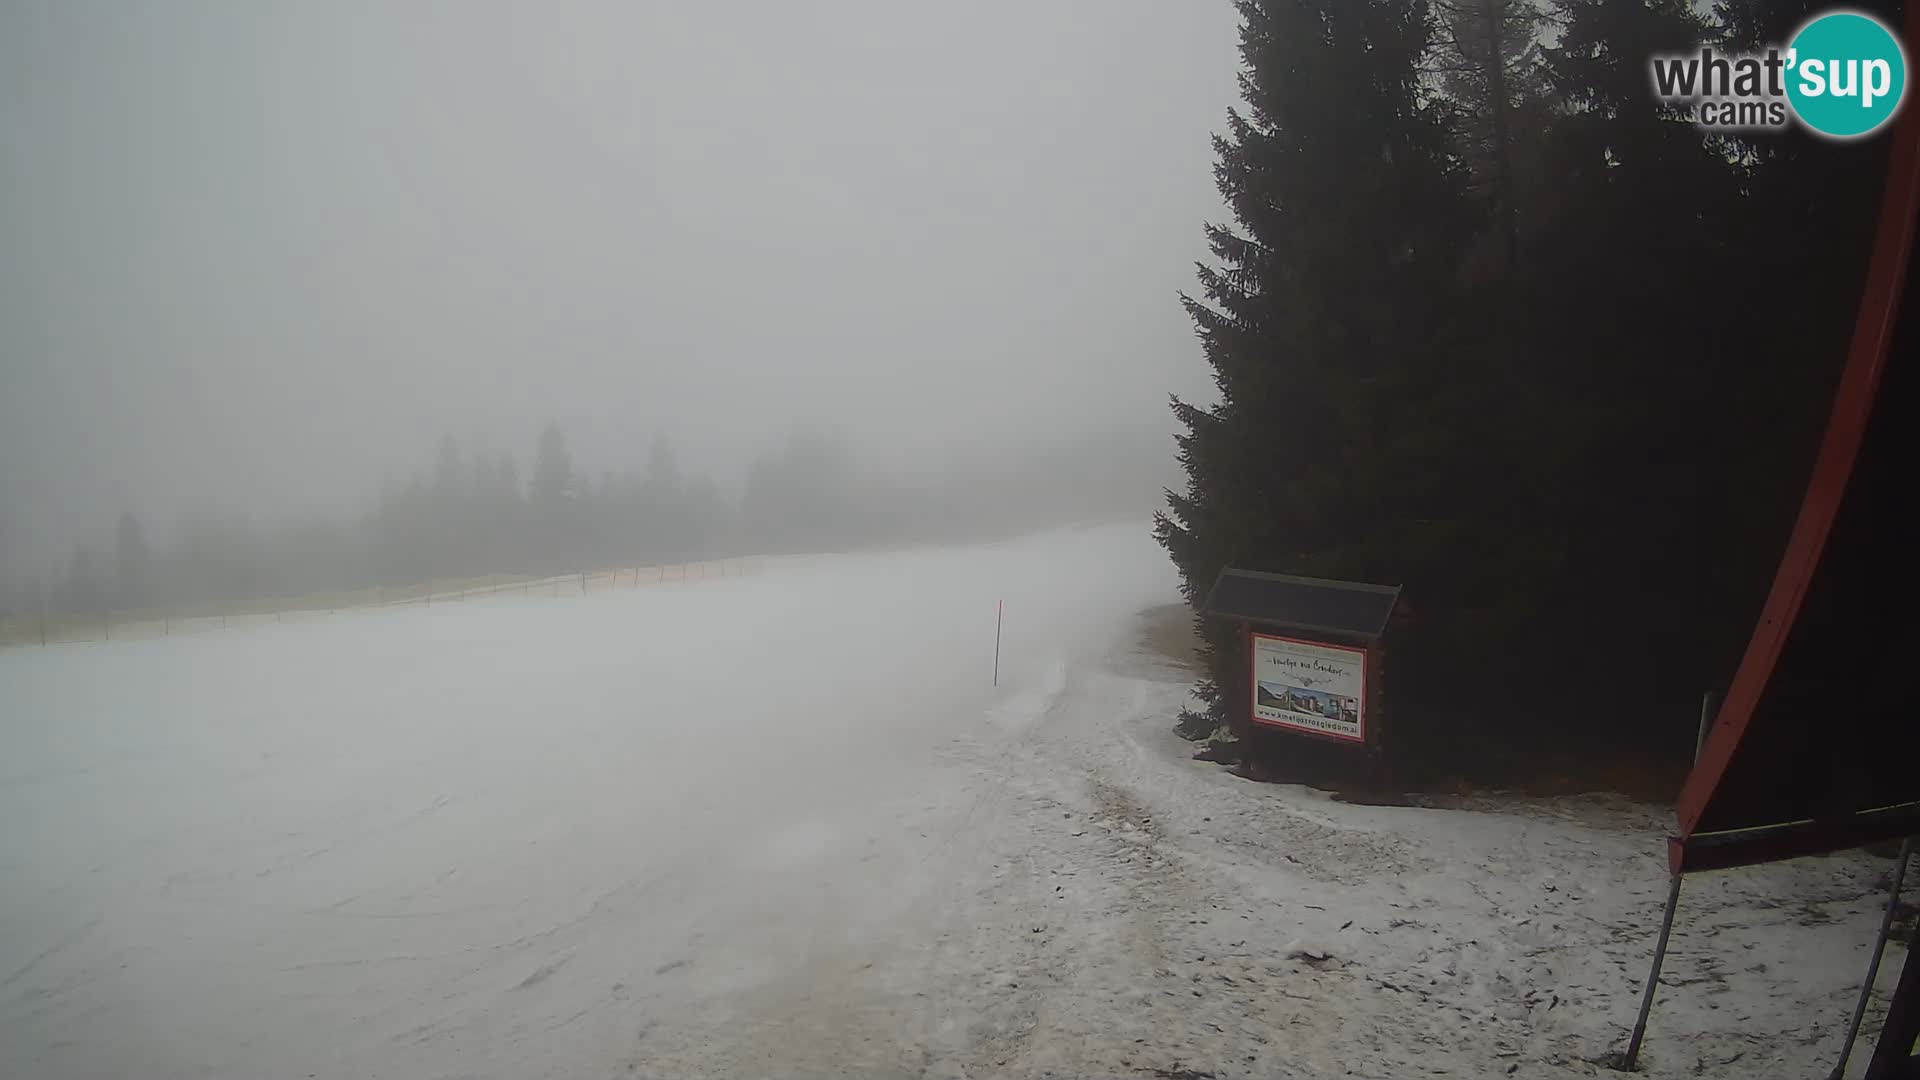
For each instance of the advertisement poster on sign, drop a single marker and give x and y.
(1310, 687)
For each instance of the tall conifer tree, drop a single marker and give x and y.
(1323, 315)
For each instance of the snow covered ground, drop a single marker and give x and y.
(784, 826)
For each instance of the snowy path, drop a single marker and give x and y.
(783, 826)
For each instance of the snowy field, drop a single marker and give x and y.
(785, 826)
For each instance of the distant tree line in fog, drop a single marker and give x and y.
(475, 514)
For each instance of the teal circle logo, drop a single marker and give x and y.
(1846, 74)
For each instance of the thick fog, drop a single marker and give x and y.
(264, 261)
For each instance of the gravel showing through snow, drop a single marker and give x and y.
(783, 826)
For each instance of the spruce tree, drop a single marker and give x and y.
(552, 494)
(82, 591)
(1324, 317)
(1636, 303)
(132, 564)
(1486, 59)
(553, 478)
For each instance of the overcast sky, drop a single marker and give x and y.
(265, 254)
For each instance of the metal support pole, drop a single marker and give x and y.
(1893, 1050)
(1873, 963)
(1629, 1059)
(1707, 702)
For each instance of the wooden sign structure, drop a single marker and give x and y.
(1313, 651)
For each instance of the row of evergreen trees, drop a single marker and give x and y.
(474, 517)
(472, 514)
(1493, 323)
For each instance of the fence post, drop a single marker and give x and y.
(999, 611)
(40, 604)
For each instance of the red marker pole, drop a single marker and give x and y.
(999, 609)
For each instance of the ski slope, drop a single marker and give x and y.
(786, 826)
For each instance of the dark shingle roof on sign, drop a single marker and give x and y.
(1303, 603)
